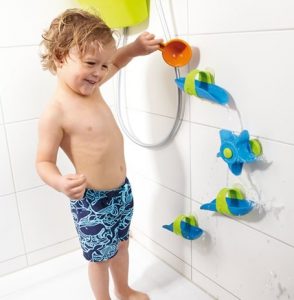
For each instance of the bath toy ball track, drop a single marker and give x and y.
(230, 202)
(186, 227)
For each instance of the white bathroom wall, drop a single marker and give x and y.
(249, 46)
(35, 221)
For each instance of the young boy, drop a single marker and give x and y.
(80, 50)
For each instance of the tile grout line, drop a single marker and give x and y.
(20, 121)
(204, 275)
(243, 31)
(32, 252)
(23, 190)
(18, 46)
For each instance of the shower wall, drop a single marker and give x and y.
(249, 45)
(35, 222)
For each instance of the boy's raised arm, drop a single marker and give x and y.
(143, 45)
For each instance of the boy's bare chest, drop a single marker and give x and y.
(94, 122)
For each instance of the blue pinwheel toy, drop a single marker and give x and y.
(236, 150)
(231, 202)
(203, 86)
(185, 226)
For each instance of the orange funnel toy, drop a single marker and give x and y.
(176, 52)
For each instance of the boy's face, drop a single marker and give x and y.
(84, 74)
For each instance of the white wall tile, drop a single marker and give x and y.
(25, 87)
(24, 22)
(22, 139)
(10, 266)
(156, 206)
(22, 143)
(208, 173)
(229, 15)
(246, 70)
(169, 165)
(233, 249)
(211, 287)
(6, 183)
(108, 90)
(46, 218)
(63, 163)
(10, 229)
(18, 282)
(1, 110)
(164, 254)
(268, 182)
(58, 249)
(175, 15)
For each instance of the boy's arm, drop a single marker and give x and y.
(50, 136)
(143, 45)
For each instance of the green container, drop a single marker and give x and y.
(118, 13)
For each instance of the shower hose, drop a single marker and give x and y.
(181, 104)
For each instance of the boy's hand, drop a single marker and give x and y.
(73, 185)
(145, 44)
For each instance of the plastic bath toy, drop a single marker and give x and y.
(236, 150)
(203, 87)
(230, 202)
(185, 226)
(176, 52)
(119, 13)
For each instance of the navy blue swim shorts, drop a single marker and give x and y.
(102, 220)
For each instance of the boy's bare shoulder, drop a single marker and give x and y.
(52, 112)
(51, 119)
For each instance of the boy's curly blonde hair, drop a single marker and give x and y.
(73, 28)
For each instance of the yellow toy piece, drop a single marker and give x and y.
(118, 13)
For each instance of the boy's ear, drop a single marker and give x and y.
(58, 60)
(58, 63)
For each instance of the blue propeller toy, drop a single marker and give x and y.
(236, 150)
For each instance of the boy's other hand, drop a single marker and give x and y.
(73, 185)
(145, 44)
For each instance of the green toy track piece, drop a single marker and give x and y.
(177, 223)
(204, 76)
(230, 202)
(256, 147)
(185, 226)
(221, 203)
